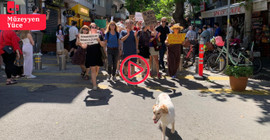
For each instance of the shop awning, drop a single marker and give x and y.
(237, 8)
(20, 2)
(81, 10)
(222, 11)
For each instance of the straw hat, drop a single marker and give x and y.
(177, 26)
(85, 26)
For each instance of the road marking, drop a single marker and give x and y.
(229, 91)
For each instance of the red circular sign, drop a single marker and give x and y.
(128, 80)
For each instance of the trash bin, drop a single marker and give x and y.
(62, 62)
(38, 63)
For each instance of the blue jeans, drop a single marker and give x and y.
(162, 52)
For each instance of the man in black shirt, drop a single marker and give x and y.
(163, 30)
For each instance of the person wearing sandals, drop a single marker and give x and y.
(144, 36)
(154, 52)
(28, 43)
(94, 55)
(174, 51)
(9, 49)
(80, 54)
(113, 42)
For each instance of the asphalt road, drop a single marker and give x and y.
(59, 105)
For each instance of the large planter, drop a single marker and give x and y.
(238, 84)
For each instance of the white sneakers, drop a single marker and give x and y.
(31, 77)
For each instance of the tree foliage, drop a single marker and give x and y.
(172, 9)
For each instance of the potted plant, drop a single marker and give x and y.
(238, 76)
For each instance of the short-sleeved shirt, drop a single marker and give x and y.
(218, 32)
(206, 36)
(112, 40)
(73, 31)
(191, 35)
(164, 31)
(129, 45)
(35, 30)
(61, 33)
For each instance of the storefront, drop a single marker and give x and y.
(260, 22)
(81, 15)
(55, 15)
(261, 27)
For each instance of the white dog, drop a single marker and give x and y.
(164, 110)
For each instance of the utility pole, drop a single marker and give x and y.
(228, 26)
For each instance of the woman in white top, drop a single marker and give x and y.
(28, 43)
(59, 41)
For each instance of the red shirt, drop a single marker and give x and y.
(136, 28)
(10, 39)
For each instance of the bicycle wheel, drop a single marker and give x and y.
(189, 58)
(216, 64)
(257, 65)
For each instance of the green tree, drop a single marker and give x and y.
(163, 8)
(137, 5)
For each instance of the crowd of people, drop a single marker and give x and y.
(116, 43)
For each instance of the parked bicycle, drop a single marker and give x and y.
(189, 56)
(217, 61)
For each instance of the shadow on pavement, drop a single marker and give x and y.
(188, 84)
(169, 134)
(141, 92)
(158, 86)
(12, 97)
(98, 98)
(174, 94)
(262, 101)
(136, 90)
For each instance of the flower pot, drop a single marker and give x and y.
(238, 84)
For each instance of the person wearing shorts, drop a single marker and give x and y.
(130, 44)
(153, 52)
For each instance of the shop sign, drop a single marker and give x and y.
(84, 11)
(69, 13)
(223, 12)
(233, 11)
(259, 6)
(202, 6)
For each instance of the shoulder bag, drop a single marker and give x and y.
(7, 49)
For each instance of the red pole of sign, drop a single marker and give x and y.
(201, 53)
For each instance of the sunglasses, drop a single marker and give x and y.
(93, 27)
(163, 21)
(86, 29)
(112, 24)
